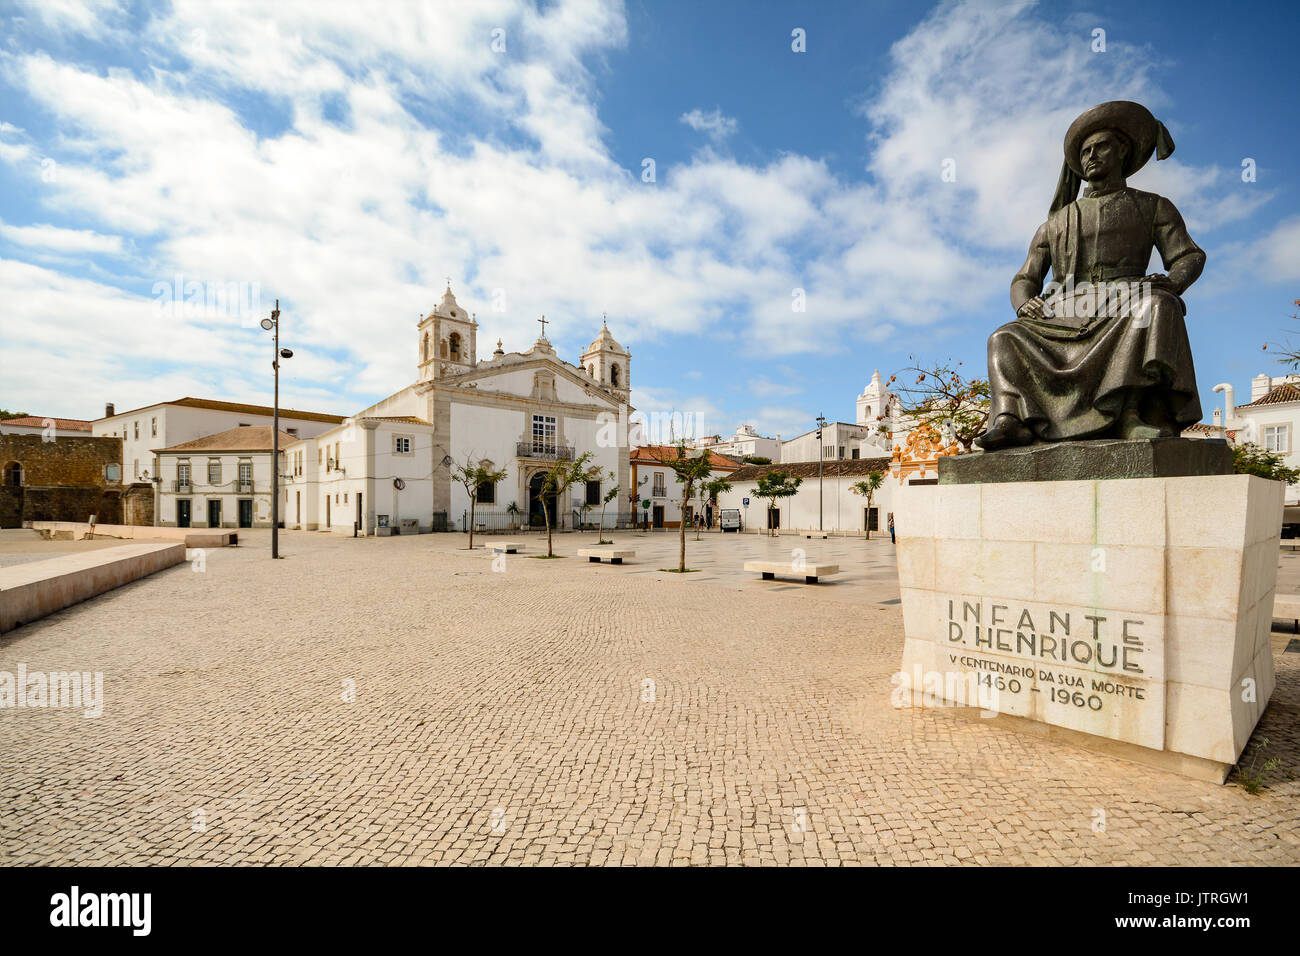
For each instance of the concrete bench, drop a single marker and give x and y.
(32, 590)
(615, 555)
(1286, 607)
(810, 571)
(507, 547)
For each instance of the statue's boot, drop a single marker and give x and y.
(1007, 432)
(1131, 426)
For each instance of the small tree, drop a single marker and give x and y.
(473, 476)
(867, 488)
(692, 467)
(940, 397)
(714, 487)
(1250, 459)
(774, 486)
(558, 479)
(608, 497)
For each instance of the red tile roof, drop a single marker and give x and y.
(243, 438)
(239, 407)
(68, 424)
(1286, 392)
(658, 454)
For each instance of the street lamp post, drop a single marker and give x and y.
(273, 325)
(821, 454)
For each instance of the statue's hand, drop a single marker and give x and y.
(1160, 281)
(1032, 309)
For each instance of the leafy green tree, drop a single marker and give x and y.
(4, 413)
(558, 479)
(757, 460)
(604, 502)
(473, 476)
(774, 486)
(867, 488)
(692, 468)
(1249, 459)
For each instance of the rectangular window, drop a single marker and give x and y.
(855, 453)
(487, 493)
(153, 426)
(245, 472)
(183, 473)
(543, 433)
(593, 492)
(841, 451)
(401, 444)
(337, 445)
(214, 471)
(659, 485)
(137, 429)
(320, 456)
(1276, 438)
(137, 469)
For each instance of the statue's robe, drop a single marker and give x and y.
(1069, 375)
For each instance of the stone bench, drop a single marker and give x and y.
(1286, 607)
(507, 547)
(34, 589)
(811, 571)
(615, 555)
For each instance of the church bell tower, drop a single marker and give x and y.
(447, 340)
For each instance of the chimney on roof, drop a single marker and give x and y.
(108, 409)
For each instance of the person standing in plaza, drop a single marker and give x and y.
(892, 538)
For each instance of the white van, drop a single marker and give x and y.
(729, 519)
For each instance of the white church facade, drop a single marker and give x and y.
(388, 469)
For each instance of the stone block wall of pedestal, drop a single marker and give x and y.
(1133, 610)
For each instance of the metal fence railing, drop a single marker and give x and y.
(500, 521)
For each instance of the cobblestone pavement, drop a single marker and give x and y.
(558, 712)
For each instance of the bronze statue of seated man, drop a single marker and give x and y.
(1102, 352)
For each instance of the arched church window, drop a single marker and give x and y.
(613, 375)
(14, 475)
(455, 346)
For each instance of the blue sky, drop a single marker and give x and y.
(345, 159)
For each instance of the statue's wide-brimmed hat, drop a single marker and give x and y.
(1144, 131)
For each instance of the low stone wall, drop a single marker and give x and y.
(32, 590)
(193, 537)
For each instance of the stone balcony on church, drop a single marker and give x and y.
(527, 449)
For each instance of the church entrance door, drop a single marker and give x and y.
(535, 517)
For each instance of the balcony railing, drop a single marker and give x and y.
(182, 487)
(528, 449)
(244, 487)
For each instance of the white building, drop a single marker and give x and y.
(746, 442)
(1269, 420)
(151, 427)
(388, 467)
(829, 504)
(656, 483)
(218, 481)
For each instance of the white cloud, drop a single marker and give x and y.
(713, 123)
(353, 223)
(60, 240)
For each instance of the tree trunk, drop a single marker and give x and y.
(546, 514)
(681, 532)
(471, 522)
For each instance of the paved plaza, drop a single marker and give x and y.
(398, 701)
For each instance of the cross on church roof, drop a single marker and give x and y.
(543, 321)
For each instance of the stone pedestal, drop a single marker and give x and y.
(1131, 615)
